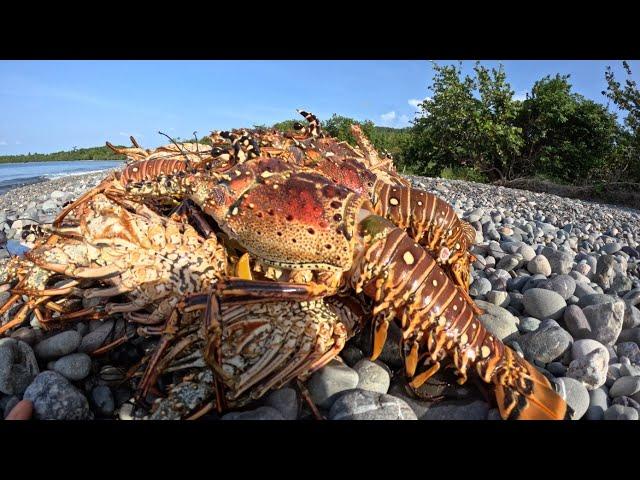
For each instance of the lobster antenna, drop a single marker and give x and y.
(133, 141)
(179, 148)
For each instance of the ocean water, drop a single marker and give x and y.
(17, 174)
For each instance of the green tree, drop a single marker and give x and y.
(566, 136)
(468, 121)
(627, 99)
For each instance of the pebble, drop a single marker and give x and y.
(548, 342)
(327, 383)
(76, 366)
(285, 401)
(598, 404)
(620, 412)
(372, 376)
(368, 405)
(543, 304)
(576, 396)
(260, 413)
(560, 262)
(58, 345)
(629, 350)
(457, 410)
(497, 320)
(499, 298)
(590, 369)
(564, 285)
(630, 335)
(528, 324)
(576, 322)
(18, 366)
(626, 386)
(539, 265)
(480, 287)
(605, 321)
(103, 400)
(631, 316)
(54, 398)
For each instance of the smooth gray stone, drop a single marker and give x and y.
(543, 304)
(457, 410)
(260, 413)
(285, 401)
(58, 345)
(372, 376)
(18, 366)
(576, 395)
(548, 342)
(626, 386)
(598, 404)
(327, 383)
(619, 412)
(367, 405)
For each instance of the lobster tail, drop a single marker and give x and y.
(530, 395)
(438, 321)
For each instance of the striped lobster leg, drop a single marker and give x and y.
(437, 322)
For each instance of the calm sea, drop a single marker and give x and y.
(17, 174)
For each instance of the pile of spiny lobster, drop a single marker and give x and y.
(257, 257)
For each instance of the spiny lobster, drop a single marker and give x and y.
(301, 221)
(427, 218)
(151, 259)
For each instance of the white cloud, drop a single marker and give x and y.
(18, 142)
(3, 142)
(389, 116)
(415, 102)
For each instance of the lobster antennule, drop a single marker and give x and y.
(533, 398)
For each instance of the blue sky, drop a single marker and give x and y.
(48, 106)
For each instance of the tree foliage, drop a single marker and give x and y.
(566, 136)
(95, 153)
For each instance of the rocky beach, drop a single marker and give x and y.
(558, 279)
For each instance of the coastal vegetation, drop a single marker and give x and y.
(93, 153)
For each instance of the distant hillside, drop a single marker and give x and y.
(94, 153)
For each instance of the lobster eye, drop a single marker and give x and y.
(298, 126)
(216, 151)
